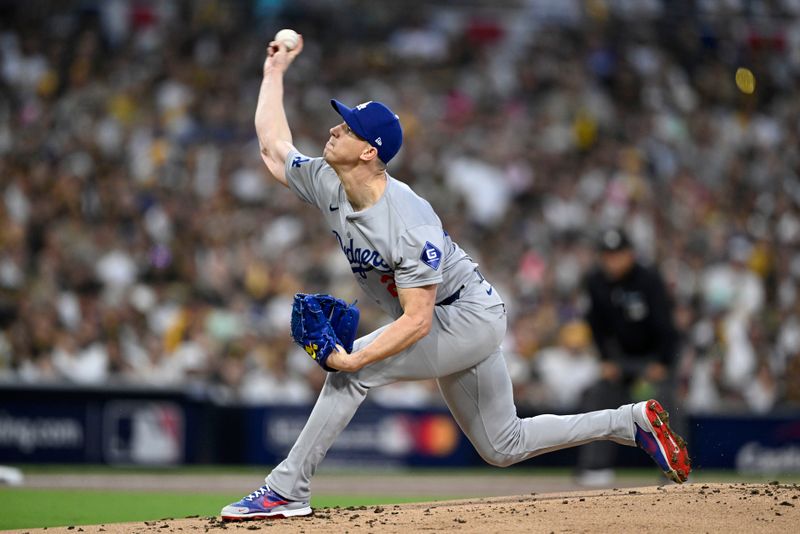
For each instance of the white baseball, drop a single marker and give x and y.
(288, 37)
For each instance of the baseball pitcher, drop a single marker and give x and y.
(448, 320)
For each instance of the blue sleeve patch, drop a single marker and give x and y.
(431, 256)
(299, 160)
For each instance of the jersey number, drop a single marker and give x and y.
(390, 287)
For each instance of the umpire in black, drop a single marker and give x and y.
(630, 315)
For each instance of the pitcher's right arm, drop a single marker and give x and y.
(272, 128)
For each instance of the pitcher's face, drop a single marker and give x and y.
(344, 146)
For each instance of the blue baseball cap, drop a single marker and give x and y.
(375, 123)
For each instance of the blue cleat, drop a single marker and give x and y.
(264, 503)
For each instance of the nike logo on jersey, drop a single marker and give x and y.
(489, 291)
(330, 207)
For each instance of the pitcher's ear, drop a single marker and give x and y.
(369, 153)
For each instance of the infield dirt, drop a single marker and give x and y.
(688, 508)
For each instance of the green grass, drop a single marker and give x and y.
(698, 475)
(32, 508)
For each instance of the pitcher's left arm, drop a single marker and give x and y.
(413, 325)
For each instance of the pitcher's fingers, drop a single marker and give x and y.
(297, 49)
(274, 47)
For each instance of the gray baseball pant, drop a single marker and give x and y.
(462, 351)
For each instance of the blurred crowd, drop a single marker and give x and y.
(142, 241)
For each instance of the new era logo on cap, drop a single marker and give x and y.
(376, 123)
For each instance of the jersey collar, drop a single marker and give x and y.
(375, 208)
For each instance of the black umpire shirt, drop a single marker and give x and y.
(631, 317)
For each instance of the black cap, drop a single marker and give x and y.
(613, 240)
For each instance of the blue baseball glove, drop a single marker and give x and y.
(320, 322)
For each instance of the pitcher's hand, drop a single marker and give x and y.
(341, 360)
(279, 58)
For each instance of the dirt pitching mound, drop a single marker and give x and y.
(688, 508)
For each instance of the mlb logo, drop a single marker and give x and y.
(143, 432)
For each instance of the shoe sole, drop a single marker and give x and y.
(657, 419)
(300, 512)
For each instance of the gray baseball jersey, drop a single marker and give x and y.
(397, 242)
